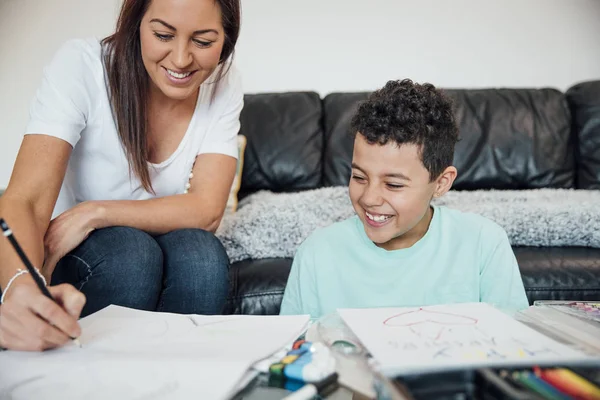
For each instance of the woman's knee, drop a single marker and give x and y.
(194, 247)
(117, 265)
(196, 270)
(136, 255)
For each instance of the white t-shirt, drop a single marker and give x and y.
(72, 104)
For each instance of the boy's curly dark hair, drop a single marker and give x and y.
(407, 112)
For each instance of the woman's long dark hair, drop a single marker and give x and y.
(128, 81)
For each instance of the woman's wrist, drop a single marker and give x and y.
(97, 214)
(21, 277)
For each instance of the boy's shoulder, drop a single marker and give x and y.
(464, 222)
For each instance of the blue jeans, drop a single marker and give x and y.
(184, 271)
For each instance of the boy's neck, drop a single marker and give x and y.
(411, 237)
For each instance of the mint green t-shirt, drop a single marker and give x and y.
(463, 257)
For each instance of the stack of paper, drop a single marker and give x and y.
(426, 339)
(569, 328)
(130, 354)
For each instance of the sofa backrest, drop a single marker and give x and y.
(513, 139)
(584, 100)
(509, 138)
(284, 150)
(338, 110)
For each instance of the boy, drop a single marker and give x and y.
(400, 250)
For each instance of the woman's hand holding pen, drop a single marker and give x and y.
(67, 231)
(30, 321)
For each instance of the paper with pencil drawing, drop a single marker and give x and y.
(418, 339)
(130, 354)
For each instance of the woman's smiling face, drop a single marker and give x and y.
(181, 44)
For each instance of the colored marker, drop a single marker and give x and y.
(311, 366)
(310, 390)
(571, 383)
(298, 343)
(539, 386)
(289, 359)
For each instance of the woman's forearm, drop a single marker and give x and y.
(161, 215)
(28, 229)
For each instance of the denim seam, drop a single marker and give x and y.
(89, 268)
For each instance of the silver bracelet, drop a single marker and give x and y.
(19, 273)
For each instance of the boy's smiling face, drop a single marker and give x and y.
(390, 190)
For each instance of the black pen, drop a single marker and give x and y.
(32, 271)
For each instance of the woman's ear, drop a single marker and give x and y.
(444, 181)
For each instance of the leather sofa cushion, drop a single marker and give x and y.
(510, 139)
(584, 100)
(560, 273)
(257, 286)
(285, 142)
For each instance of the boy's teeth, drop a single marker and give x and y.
(178, 76)
(378, 218)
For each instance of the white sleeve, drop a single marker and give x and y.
(62, 102)
(222, 135)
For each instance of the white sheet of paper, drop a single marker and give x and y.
(424, 339)
(131, 354)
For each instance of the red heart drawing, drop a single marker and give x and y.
(428, 323)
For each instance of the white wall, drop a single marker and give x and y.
(334, 45)
(30, 32)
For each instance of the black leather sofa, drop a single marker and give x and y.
(510, 139)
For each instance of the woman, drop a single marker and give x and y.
(124, 173)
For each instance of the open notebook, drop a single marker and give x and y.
(131, 354)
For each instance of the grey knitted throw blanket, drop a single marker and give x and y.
(270, 225)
